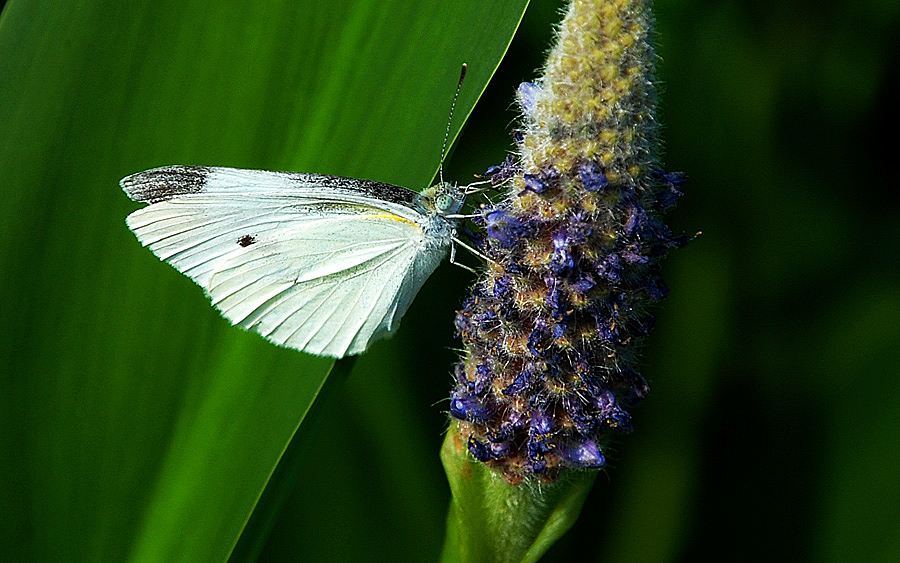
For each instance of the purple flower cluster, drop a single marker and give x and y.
(551, 330)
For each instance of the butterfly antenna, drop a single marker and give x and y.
(462, 75)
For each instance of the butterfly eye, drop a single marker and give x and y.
(443, 202)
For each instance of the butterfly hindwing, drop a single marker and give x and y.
(327, 286)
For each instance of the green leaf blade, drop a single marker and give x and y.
(135, 421)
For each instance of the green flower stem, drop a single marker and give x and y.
(492, 520)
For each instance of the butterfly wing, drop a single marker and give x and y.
(321, 264)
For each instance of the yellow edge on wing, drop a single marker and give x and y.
(393, 217)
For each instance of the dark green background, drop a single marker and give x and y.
(772, 430)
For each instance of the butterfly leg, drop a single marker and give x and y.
(453, 261)
(468, 247)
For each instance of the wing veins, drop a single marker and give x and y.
(363, 271)
(263, 308)
(365, 317)
(343, 323)
(372, 308)
(243, 265)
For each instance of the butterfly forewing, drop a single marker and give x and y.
(317, 263)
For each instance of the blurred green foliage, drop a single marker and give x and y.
(771, 430)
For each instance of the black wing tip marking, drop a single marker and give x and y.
(246, 240)
(161, 184)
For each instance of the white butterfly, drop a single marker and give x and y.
(322, 264)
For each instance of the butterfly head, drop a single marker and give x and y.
(441, 199)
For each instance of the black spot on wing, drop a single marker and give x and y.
(246, 240)
(160, 184)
